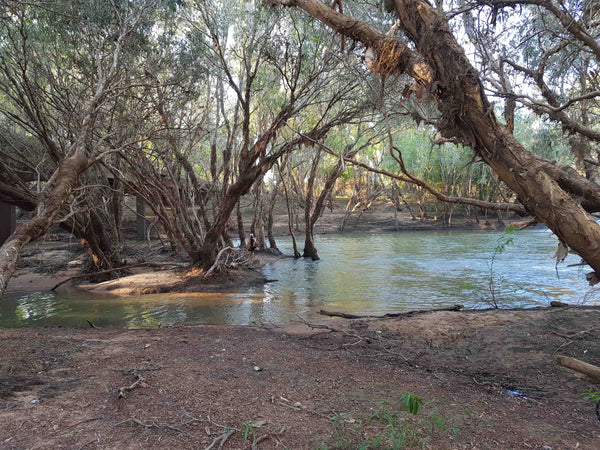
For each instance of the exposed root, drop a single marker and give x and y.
(231, 258)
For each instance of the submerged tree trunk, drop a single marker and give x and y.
(441, 69)
(289, 212)
(310, 251)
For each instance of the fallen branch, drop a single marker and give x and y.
(162, 426)
(388, 315)
(522, 225)
(107, 271)
(579, 366)
(140, 381)
(334, 330)
(220, 440)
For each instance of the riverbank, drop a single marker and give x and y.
(58, 256)
(487, 380)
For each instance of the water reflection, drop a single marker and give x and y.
(371, 273)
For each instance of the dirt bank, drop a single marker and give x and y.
(305, 387)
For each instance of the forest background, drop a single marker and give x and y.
(207, 109)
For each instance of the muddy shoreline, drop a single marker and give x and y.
(488, 377)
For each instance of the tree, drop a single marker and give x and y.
(31, 82)
(442, 72)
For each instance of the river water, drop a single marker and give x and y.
(358, 273)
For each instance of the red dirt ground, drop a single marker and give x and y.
(301, 387)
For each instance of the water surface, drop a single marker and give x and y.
(359, 273)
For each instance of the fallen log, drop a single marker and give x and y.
(116, 269)
(388, 315)
(579, 366)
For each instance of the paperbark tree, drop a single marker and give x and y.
(55, 198)
(314, 210)
(443, 73)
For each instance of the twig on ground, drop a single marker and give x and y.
(220, 440)
(310, 411)
(96, 439)
(140, 381)
(83, 421)
(159, 425)
(258, 440)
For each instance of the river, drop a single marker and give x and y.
(358, 273)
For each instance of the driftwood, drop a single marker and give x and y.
(107, 271)
(388, 315)
(557, 304)
(579, 366)
(139, 381)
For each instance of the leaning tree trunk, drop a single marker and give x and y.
(310, 251)
(442, 71)
(58, 191)
(100, 239)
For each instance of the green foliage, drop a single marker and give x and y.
(248, 430)
(412, 402)
(505, 240)
(395, 429)
(591, 396)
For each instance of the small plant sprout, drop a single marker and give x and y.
(505, 240)
(412, 402)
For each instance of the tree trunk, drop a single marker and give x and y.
(240, 225)
(58, 193)
(446, 74)
(310, 250)
(289, 212)
(270, 219)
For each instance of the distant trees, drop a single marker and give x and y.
(430, 54)
(157, 99)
